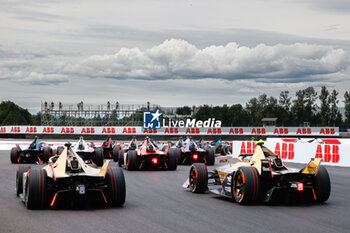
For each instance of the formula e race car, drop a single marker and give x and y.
(108, 146)
(68, 179)
(88, 152)
(262, 176)
(119, 150)
(36, 152)
(189, 152)
(148, 155)
(221, 147)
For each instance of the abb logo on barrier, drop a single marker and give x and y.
(328, 153)
(249, 149)
(258, 131)
(281, 131)
(67, 130)
(304, 131)
(15, 129)
(88, 130)
(286, 151)
(48, 130)
(31, 130)
(327, 131)
(108, 130)
(171, 131)
(129, 130)
(192, 131)
(214, 131)
(236, 131)
(152, 131)
(3, 130)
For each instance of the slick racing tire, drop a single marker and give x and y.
(47, 153)
(131, 160)
(14, 155)
(99, 156)
(177, 151)
(246, 186)
(115, 186)
(172, 160)
(36, 189)
(322, 185)
(211, 156)
(59, 150)
(19, 178)
(116, 150)
(121, 158)
(198, 178)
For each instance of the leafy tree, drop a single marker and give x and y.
(12, 114)
(324, 114)
(335, 116)
(184, 110)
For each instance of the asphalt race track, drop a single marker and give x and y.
(156, 202)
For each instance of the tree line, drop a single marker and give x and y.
(308, 105)
(317, 109)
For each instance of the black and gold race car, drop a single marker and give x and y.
(262, 177)
(68, 179)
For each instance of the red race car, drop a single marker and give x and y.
(148, 156)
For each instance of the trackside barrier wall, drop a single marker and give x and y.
(335, 152)
(264, 131)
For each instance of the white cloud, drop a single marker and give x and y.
(176, 58)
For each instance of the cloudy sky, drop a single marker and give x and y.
(173, 53)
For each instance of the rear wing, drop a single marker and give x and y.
(312, 167)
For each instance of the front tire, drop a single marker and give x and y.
(14, 155)
(198, 178)
(115, 186)
(322, 185)
(246, 186)
(36, 194)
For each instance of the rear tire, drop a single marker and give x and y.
(178, 153)
(246, 186)
(99, 156)
(115, 186)
(14, 155)
(322, 185)
(36, 194)
(131, 160)
(172, 160)
(198, 178)
(47, 153)
(121, 158)
(19, 178)
(211, 156)
(59, 150)
(116, 150)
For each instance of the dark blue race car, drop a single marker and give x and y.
(36, 152)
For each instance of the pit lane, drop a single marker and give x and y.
(156, 202)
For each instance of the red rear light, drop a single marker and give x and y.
(195, 156)
(300, 186)
(154, 160)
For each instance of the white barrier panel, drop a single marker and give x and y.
(269, 131)
(332, 151)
